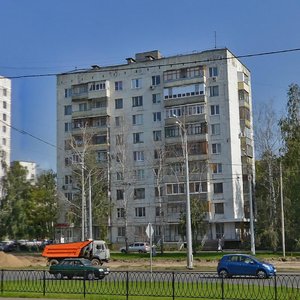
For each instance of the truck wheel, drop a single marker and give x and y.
(96, 262)
(53, 262)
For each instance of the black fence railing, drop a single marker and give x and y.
(172, 285)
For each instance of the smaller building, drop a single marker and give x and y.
(31, 169)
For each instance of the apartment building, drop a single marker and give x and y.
(139, 114)
(5, 118)
(31, 170)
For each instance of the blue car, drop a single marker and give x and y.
(242, 264)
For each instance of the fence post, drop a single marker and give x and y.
(275, 286)
(2, 280)
(222, 287)
(44, 282)
(84, 278)
(127, 285)
(173, 285)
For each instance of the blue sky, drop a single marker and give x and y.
(53, 36)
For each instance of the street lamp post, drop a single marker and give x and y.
(83, 204)
(188, 202)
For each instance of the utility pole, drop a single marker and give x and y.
(188, 202)
(83, 204)
(282, 211)
(90, 208)
(251, 216)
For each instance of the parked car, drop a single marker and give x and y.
(242, 264)
(81, 267)
(141, 247)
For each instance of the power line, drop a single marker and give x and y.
(116, 68)
(31, 135)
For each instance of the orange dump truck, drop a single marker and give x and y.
(96, 251)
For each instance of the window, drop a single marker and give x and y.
(137, 101)
(175, 188)
(4, 141)
(82, 106)
(97, 86)
(215, 129)
(68, 126)
(119, 139)
(120, 176)
(198, 187)
(218, 188)
(4, 104)
(213, 72)
(120, 194)
(216, 168)
(139, 174)
(244, 96)
(138, 137)
(4, 92)
(219, 230)
(3, 128)
(139, 193)
(156, 80)
(156, 98)
(68, 110)
(219, 208)
(216, 148)
(157, 116)
(118, 85)
(119, 103)
(138, 155)
(157, 153)
(68, 93)
(4, 117)
(136, 83)
(157, 135)
(137, 119)
(99, 139)
(121, 231)
(68, 179)
(214, 91)
(101, 155)
(120, 212)
(140, 211)
(118, 121)
(214, 110)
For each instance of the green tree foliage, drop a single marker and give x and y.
(199, 222)
(268, 229)
(43, 206)
(27, 211)
(290, 130)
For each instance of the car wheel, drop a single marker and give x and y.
(70, 276)
(261, 274)
(58, 275)
(141, 251)
(123, 251)
(90, 276)
(101, 277)
(223, 273)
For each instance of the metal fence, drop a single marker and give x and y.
(172, 285)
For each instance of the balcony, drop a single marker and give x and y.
(94, 112)
(243, 86)
(98, 94)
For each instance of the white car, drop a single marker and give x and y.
(141, 247)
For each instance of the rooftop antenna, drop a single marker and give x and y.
(215, 40)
